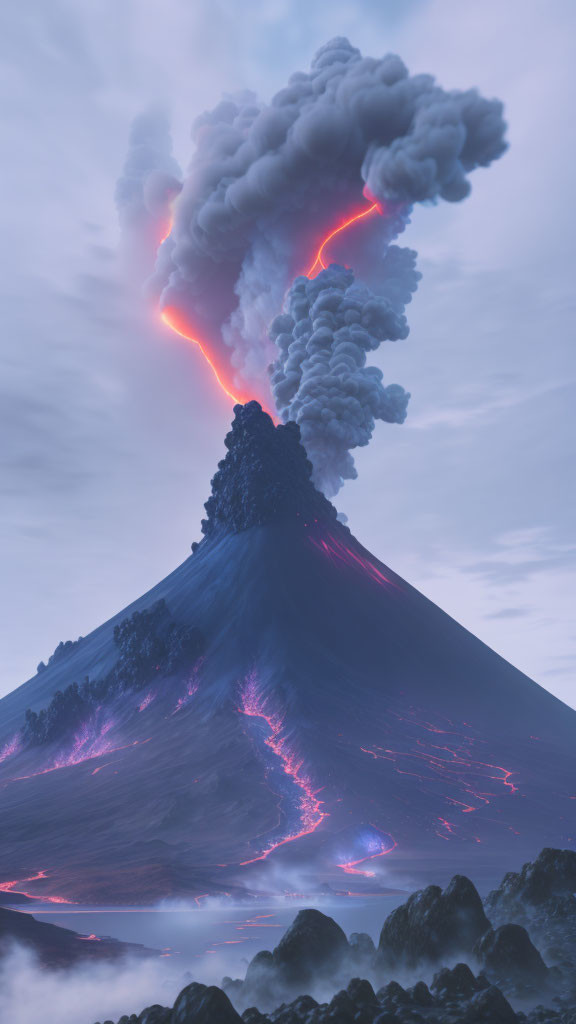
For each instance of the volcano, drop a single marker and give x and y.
(281, 712)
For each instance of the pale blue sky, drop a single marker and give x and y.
(110, 430)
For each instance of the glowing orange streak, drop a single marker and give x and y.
(318, 263)
(173, 320)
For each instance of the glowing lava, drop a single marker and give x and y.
(10, 748)
(191, 687)
(319, 263)
(255, 705)
(10, 887)
(376, 847)
(339, 552)
(452, 763)
(146, 702)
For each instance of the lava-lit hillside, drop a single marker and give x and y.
(282, 711)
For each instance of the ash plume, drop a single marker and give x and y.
(320, 378)
(268, 181)
(149, 183)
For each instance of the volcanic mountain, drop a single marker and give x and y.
(282, 712)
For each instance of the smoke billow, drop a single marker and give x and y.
(320, 378)
(266, 183)
(149, 183)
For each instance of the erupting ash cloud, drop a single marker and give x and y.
(320, 378)
(149, 183)
(332, 166)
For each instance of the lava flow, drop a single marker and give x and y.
(319, 263)
(191, 687)
(451, 763)
(255, 705)
(10, 748)
(337, 551)
(10, 887)
(376, 846)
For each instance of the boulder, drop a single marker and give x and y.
(433, 925)
(203, 1004)
(508, 956)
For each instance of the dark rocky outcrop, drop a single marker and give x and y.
(433, 925)
(203, 1004)
(264, 478)
(541, 897)
(509, 957)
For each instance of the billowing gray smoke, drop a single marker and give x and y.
(149, 183)
(320, 379)
(265, 185)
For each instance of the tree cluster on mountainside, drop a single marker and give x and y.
(150, 644)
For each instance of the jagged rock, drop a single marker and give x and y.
(253, 1016)
(264, 478)
(202, 1004)
(298, 1010)
(312, 944)
(341, 1009)
(454, 983)
(553, 873)
(392, 995)
(420, 994)
(361, 992)
(155, 1015)
(509, 956)
(433, 924)
(489, 1007)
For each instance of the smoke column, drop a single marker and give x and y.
(149, 183)
(329, 169)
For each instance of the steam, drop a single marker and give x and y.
(80, 994)
(267, 182)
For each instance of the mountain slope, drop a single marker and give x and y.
(338, 725)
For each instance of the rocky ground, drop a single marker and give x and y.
(444, 956)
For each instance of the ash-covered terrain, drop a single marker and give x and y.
(439, 959)
(282, 712)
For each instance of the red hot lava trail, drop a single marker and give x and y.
(255, 705)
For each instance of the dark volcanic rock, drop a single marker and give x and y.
(553, 873)
(155, 1015)
(313, 944)
(489, 1007)
(433, 924)
(202, 1004)
(265, 477)
(509, 957)
(454, 983)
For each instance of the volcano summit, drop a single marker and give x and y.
(282, 710)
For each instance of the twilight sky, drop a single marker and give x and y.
(111, 427)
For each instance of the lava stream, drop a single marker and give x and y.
(10, 887)
(319, 263)
(377, 848)
(10, 748)
(192, 686)
(337, 551)
(254, 704)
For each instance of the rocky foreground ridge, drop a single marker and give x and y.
(440, 958)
